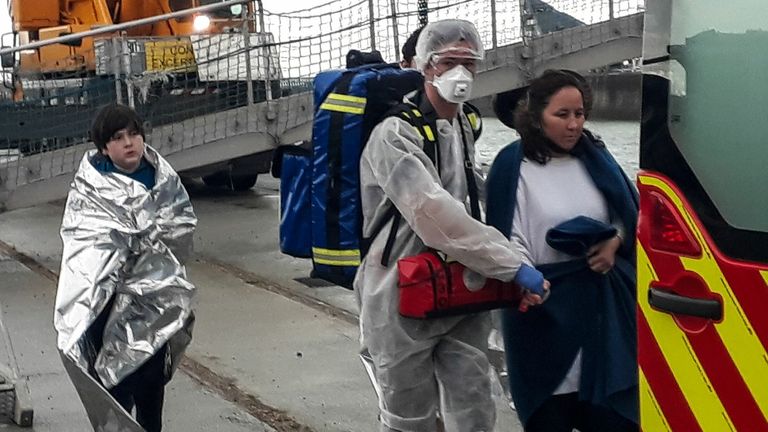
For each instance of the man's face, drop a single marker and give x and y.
(125, 149)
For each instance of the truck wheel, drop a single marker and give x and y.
(243, 182)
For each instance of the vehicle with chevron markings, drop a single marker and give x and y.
(703, 230)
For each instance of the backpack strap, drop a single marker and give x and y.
(411, 114)
(426, 127)
(365, 243)
(475, 122)
(475, 119)
(469, 172)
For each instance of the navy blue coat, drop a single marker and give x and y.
(585, 310)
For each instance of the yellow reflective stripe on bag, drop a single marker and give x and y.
(344, 103)
(348, 257)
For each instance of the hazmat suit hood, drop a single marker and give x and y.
(457, 38)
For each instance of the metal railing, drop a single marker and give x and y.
(262, 56)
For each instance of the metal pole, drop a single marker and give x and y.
(423, 13)
(126, 68)
(371, 22)
(610, 9)
(247, 45)
(527, 27)
(124, 26)
(265, 43)
(116, 57)
(393, 8)
(494, 38)
(523, 8)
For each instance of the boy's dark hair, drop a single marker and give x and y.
(111, 119)
(409, 47)
(527, 116)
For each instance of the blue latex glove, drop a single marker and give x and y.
(530, 279)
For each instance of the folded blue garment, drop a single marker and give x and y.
(575, 236)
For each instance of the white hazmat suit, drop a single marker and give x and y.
(412, 356)
(419, 365)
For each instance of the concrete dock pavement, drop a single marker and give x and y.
(26, 299)
(269, 352)
(241, 232)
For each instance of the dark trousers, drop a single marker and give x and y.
(564, 413)
(145, 389)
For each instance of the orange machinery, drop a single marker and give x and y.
(48, 19)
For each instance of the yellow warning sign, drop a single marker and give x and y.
(170, 56)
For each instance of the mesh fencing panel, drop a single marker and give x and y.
(194, 89)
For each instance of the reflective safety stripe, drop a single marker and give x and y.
(335, 262)
(341, 108)
(473, 120)
(681, 357)
(344, 103)
(651, 417)
(345, 258)
(425, 131)
(735, 331)
(658, 375)
(428, 134)
(347, 98)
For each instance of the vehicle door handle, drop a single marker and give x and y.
(672, 303)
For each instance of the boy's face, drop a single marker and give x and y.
(125, 149)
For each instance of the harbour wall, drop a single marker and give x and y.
(617, 96)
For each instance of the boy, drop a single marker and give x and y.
(124, 304)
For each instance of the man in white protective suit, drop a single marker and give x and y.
(439, 365)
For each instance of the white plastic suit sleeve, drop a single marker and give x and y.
(410, 180)
(480, 182)
(517, 233)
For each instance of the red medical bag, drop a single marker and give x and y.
(430, 287)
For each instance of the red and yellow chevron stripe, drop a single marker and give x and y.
(698, 375)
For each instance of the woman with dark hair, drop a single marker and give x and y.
(560, 193)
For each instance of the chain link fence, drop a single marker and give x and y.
(204, 81)
(317, 39)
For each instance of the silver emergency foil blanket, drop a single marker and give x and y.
(105, 414)
(124, 241)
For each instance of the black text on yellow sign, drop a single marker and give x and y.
(171, 56)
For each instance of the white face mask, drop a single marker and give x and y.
(454, 85)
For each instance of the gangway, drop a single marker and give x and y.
(231, 106)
